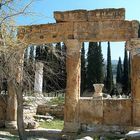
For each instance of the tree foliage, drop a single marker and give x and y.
(119, 72)
(83, 70)
(109, 78)
(95, 65)
(126, 78)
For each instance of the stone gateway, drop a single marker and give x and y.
(73, 28)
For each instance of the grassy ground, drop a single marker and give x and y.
(56, 101)
(55, 124)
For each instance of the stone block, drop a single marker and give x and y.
(117, 112)
(133, 135)
(91, 111)
(93, 15)
(106, 14)
(112, 30)
(75, 15)
(45, 33)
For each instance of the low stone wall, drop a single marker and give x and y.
(105, 112)
(54, 110)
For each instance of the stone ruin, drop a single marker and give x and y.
(73, 28)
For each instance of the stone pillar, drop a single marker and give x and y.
(16, 70)
(134, 47)
(11, 111)
(38, 78)
(73, 64)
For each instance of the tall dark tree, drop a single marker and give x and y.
(100, 64)
(64, 74)
(109, 78)
(129, 72)
(139, 32)
(95, 65)
(125, 73)
(83, 70)
(119, 72)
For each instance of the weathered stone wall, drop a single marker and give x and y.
(3, 105)
(106, 112)
(54, 110)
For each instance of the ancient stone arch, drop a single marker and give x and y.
(73, 28)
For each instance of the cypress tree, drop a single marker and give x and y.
(99, 62)
(119, 72)
(64, 74)
(95, 65)
(125, 73)
(139, 32)
(83, 69)
(129, 73)
(109, 78)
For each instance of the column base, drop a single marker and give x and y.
(11, 124)
(71, 127)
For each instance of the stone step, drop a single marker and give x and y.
(43, 117)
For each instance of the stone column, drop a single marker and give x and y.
(16, 70)
(38, 78)
(134, 47)
(11, 111)
(73, 63)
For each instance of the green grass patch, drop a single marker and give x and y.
(56, 101)
(55, 124)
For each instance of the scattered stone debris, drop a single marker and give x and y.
(30, 124)
(87, 138)
(43, 117)
(133, 135)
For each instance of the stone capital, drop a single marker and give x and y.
(73, 46)
(133, 46)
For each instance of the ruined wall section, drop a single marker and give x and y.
(106, 112)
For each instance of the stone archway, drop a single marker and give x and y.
(73, 28)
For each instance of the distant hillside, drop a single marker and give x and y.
(114, 62)
(114, 66)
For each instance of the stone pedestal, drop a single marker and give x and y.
(98, 90)
(38, 78)
(73, 63)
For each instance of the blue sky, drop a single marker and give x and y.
(44, 9)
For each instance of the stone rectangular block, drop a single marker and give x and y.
(91, 111)
(117, 112)
(93, 15)
(75, 15)
(113, 30)
(106, 14)
(45, 33)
